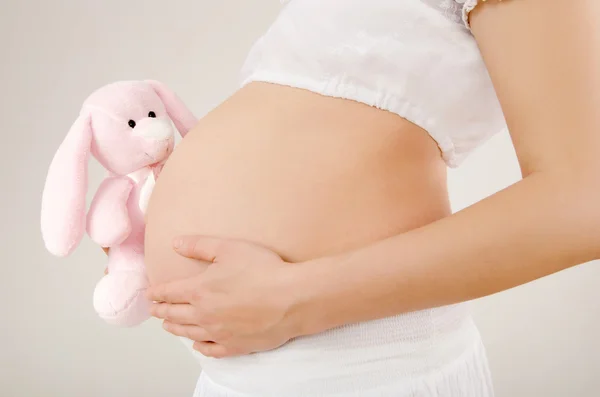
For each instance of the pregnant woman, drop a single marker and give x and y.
(321, 256)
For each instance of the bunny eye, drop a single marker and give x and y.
(152, 114)
(131, 123)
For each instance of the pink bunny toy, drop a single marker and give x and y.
(129, 128)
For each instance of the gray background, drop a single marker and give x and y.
(542, 338)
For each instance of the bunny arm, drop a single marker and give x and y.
(108, 221)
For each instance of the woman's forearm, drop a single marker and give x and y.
(540, 225)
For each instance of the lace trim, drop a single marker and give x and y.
(468, 6)
(452, 10)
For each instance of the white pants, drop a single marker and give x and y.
(430, 353)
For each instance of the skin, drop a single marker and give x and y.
(306, 175)
(543, 57)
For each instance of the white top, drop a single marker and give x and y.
(416, 58)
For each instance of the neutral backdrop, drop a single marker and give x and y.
(542, 338)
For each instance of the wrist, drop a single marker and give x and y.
(306, 287)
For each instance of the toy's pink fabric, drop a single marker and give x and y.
(108, 222)
(119, 296)
(63, 199)
(129, 128)
(184, 119)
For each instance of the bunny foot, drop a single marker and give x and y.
(119, 298)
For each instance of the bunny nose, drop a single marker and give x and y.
(155, 129)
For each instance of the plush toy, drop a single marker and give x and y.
(129, 127)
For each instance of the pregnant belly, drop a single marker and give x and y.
(306, 176)
(302, 174)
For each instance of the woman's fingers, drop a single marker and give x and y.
(178, 291)
(210, 349)
(198, 247)
(181, 313)
(192, 332)
(105, 249)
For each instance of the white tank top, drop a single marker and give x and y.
(415, 58)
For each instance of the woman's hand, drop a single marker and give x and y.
(105, 249)
(239, 305)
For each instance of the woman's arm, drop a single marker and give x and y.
(544, 59)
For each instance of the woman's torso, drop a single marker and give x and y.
(309, 175)
(304, 174)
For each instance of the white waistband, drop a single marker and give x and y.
(354, 357)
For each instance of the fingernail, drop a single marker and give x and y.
(166, 326)
(177, 243)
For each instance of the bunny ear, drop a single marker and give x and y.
(63, 199)
(182, 117)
